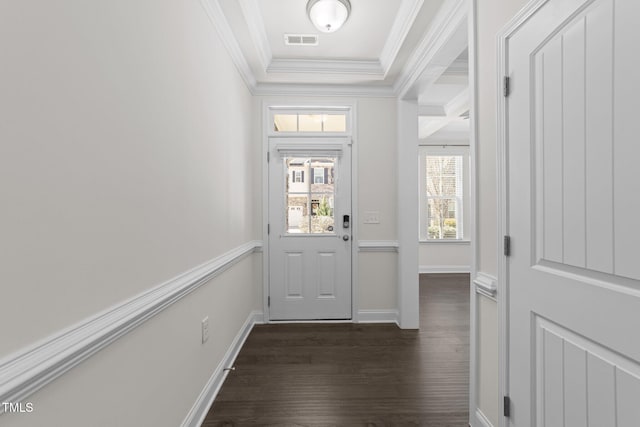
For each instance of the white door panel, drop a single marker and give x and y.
(573, 211)
(309, 246)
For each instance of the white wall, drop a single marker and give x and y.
(443, 257)
(492, 16)
(375, 181)
(126, 157)
(377, 189)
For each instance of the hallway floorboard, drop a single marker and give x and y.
(356, 374)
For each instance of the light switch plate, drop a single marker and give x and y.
(372, 217)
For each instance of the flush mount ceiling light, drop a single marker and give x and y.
(328, 15)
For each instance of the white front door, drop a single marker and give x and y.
(310, 229)
(574, 215)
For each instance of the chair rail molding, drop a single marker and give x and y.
(482, 420)
(378, 245)
(28, 370)
(486, 285)
(436, 269)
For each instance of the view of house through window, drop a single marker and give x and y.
(310, 195)
(442, 192)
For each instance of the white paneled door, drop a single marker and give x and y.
(309, 228)
(574, 215)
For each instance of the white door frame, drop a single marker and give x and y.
(291, 104)
(503, 200)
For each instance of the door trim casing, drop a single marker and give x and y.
(502, 122)
(292, 103)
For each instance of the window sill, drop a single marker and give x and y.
(444, 241)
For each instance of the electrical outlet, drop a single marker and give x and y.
(205, 329)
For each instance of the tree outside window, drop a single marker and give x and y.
(442, 202)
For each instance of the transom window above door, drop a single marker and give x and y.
(315, 121)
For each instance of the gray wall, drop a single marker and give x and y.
(126, 158)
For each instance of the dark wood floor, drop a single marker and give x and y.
(356, 374)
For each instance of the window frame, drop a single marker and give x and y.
(317, 175)
(273, 111)
(462, 184)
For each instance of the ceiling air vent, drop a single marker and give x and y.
(300, 40)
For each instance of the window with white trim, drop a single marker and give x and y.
(443, 172)
(309, 121)
(318, 175)
(297, 176)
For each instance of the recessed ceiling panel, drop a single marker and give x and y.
(361, 38)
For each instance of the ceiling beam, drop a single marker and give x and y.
(438, 49)
(430, 123)
(406, 16)
(432, 110)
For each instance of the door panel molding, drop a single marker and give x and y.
(570, 324)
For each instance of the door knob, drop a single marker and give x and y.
(345, 237)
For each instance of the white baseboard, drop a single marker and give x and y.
(199, 410)
(378, 316)
(431, 269)
(482, 420)
(29, 369)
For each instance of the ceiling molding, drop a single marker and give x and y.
(459, 67)
(364, 68)
(255, 23)
(337, 90)
(428, 126)
(452, 113)
(446, 137)
(217, 18)
(450, 23)
(458, 105)
(432, 110)
(407, 14)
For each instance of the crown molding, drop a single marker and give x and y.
(365, 68)
(255, 23)
(407, 14)
(459, 67)
(333, 90)
(217, 18)
(450, 23)
(458, 105)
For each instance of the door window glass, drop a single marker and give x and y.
(310, 202)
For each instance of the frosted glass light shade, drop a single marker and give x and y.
(328, 15)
